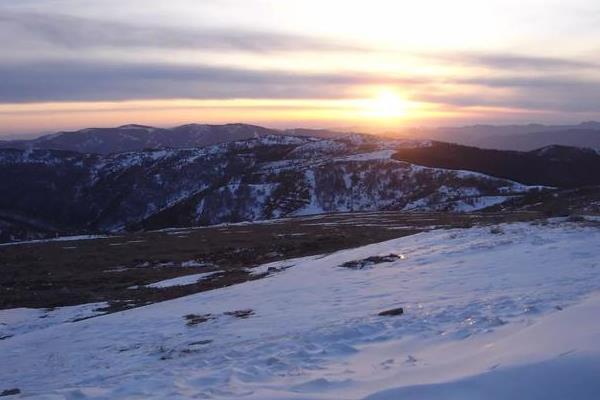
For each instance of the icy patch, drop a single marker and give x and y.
(546, 360)
(182, 280)
(279, 266)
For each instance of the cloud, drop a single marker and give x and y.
(91, 80)
(508, 61)
(95, 81)
(110, 81)
(63, 31)
(549, 93)
(545, 81)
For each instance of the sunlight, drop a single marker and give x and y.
(387, 104)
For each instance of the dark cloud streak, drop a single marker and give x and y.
(101, 81)
(95, 81)
(557, 95)
(512, 62)
(70, 32)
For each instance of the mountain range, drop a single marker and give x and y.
(57, 191)
(140, 178)
(139, 137)
(515, 137)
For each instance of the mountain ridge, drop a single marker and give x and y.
(554, 165)
(263, 178)
(516, 137)
(136, 137)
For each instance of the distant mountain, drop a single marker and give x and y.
(558, 166)
(48, 191)
(529, 141)
(140, 137)
(516, 137)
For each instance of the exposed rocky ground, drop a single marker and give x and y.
(117, 269)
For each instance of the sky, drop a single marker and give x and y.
(373, 65)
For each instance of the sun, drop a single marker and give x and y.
(387, 104)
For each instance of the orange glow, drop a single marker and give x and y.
(385, 108)
(387, 104)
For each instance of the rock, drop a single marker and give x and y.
(240, 313)
(10, 392)
(496, 230)
(392, 313)
(369, 261)
(195, 319)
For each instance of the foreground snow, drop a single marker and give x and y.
(494, 314)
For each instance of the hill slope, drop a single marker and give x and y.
(480, 309)
(557, 166)
(269, 177)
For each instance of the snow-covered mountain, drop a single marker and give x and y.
(139, 137)
(133, 137)
(267, 177)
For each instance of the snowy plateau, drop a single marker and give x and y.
(509, 312)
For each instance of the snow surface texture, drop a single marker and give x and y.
(510, 312)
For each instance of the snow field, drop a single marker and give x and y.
(482, 307)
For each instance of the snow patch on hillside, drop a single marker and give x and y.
(60, 239)
(376, 155)
(182, 280)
